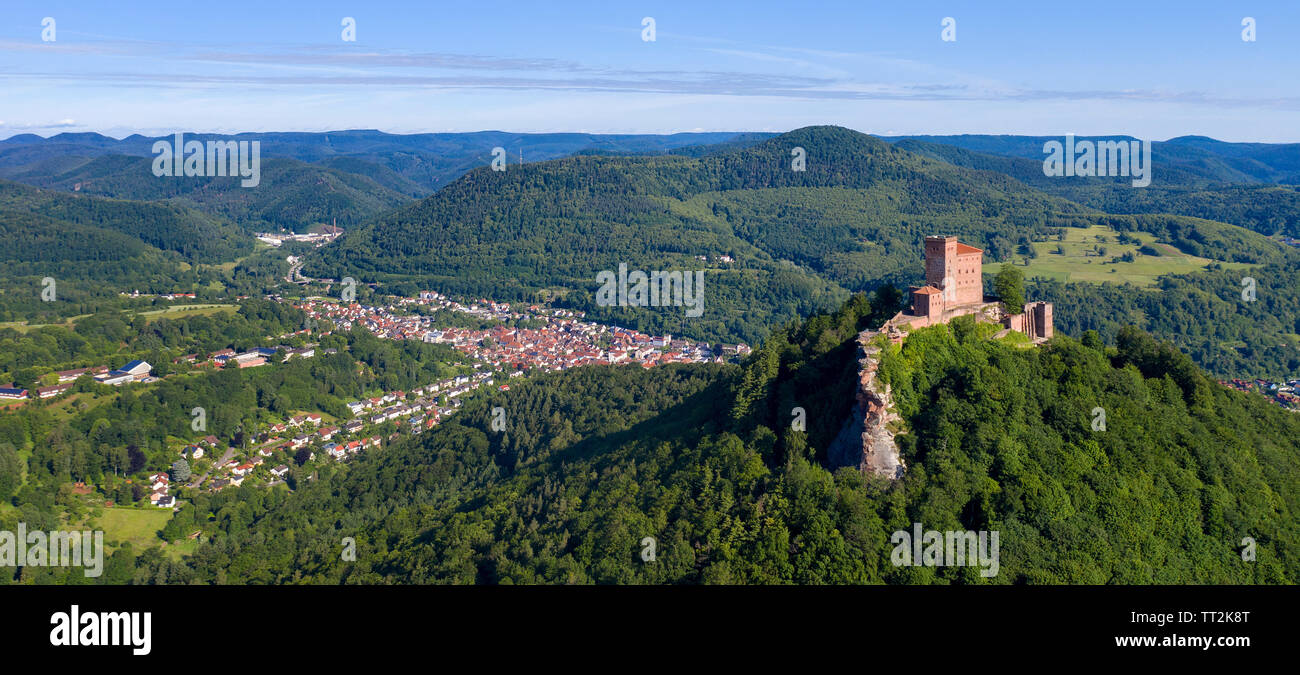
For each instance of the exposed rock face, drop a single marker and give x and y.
(865, 441)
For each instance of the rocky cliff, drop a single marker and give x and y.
(865, 441)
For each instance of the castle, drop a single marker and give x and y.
(954, 287)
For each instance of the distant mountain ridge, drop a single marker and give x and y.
(365, 173)
(342, 177)
(1185, 158)
(1250, 185)
(427, 160)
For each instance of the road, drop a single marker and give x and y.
(295, 275)
(230, 452)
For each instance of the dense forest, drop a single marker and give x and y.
(66, 255)
(194, 236)
(1182, 161)
(705, 461)
(1239, 192)
(408, 164)
(292, 195)
(1204, 314)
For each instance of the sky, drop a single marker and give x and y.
(1153, 70)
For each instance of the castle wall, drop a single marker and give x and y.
(940, 257)
(1042, 319)
(927, 304)
(967, 273)
(956, 269)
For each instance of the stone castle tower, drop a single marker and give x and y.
(954, 286)
(955, 269)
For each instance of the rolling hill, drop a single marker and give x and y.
(1184, 180)
(94, 248)
(426, 160)
(798, 241)
(1185, 159)
(193, 235)
(702, 461)
(340, 177)
(293, 195)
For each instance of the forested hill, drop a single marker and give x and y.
(799, 240)
(1190, 186)
(94, 248)
(117, 227)
(291, 194)
(1184, 159)
(398, 161)
(704, 461)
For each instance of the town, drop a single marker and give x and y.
(1281, 393)
(518, 340)
(560, 340)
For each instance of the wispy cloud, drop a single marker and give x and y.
(782, 72)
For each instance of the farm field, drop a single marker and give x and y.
(138, 526)
(1082, 262)
(173, 312)
(178, 311)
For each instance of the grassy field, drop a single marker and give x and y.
(181, 548)
(69, 406)
(173, 312)
(1081, 262)
(178, 311)
(23, 326)
(138, 526)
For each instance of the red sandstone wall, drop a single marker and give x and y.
(967, 274)
(940, 255)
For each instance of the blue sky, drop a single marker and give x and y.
(1153, 70)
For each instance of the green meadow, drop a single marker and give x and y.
(1077, 258)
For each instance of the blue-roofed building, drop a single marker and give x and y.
(137, 369)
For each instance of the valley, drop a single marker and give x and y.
(471, 411)
(353, 319)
